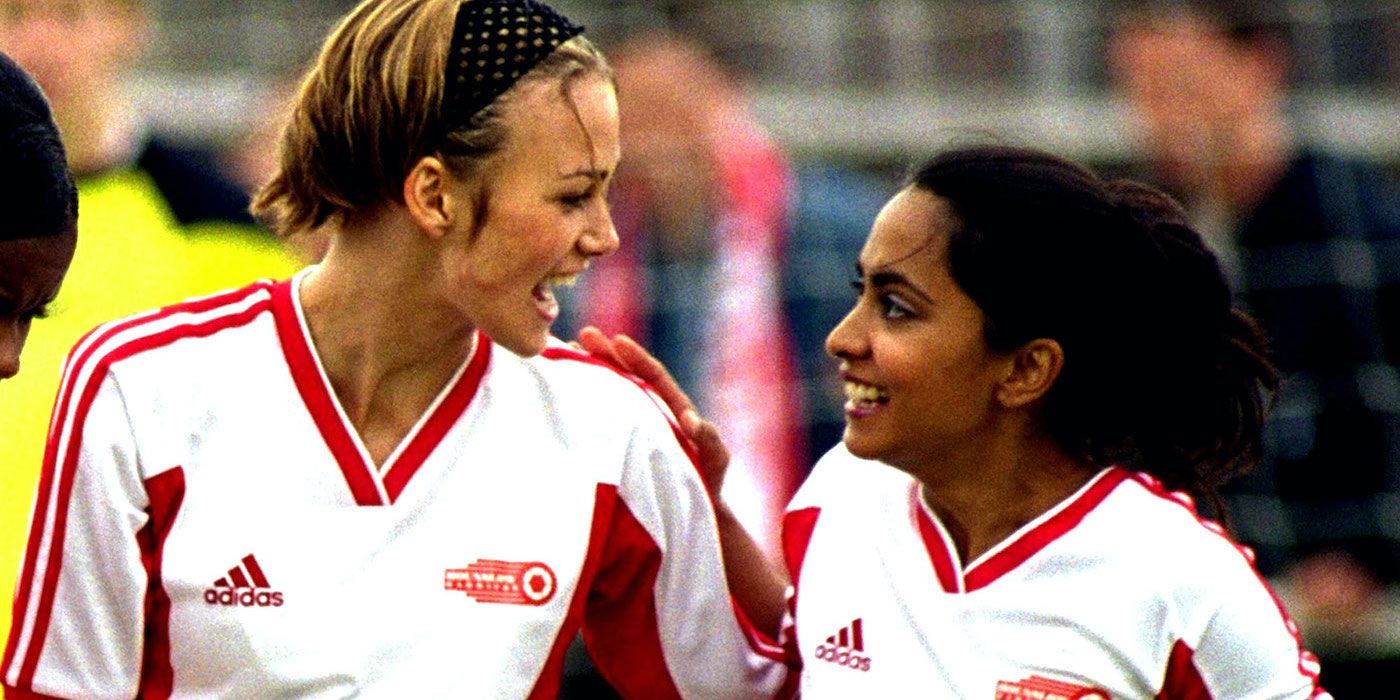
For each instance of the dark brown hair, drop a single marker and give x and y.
(1162, 373)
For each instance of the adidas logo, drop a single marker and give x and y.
(845, 647)
(241, 587)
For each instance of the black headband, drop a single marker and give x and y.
(494, 43)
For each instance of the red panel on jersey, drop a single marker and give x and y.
(797, 534)
(1183, 681)
(166, 492)
(620, 625)
(604, 503)
(73, 424)
(62, 403)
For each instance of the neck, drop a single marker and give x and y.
(993, 490)
(384, 342)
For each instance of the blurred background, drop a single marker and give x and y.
(868, 81)
(761, 138)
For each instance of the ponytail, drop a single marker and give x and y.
(1162, 373)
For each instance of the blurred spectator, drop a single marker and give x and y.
(1312, 240)
(154, 226)
(727, 266)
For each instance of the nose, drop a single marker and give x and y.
(600, 238)
(846, 341)
(11, 343)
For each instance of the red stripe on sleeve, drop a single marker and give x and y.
(69, 466)
(1183, 681)
(604, 503)
(167, 493)
(89, 343)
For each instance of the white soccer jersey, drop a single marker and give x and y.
(1121, 591)
(209, 524)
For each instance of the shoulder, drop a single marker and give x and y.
(187, 329)
(1197, 564)
(581, 386)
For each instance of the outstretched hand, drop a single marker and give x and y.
(629, 356)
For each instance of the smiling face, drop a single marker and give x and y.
(919, 376)
(31, 271)
(546, 212)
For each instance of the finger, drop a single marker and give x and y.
(596, 343)
(712, 455)
(650, 370)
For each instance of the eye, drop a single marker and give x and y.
(576, 200)
(858, 284)
(892, 307)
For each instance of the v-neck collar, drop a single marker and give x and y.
(368, 485)
(1014, 550)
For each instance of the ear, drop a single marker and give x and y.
(426, 196)
(1034, 368)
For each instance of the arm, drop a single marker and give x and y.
(79, 623)
(756, 584)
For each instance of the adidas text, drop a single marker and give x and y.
(843, 657)
(245, 598)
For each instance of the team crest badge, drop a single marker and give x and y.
(1041, 688)
(504, 582)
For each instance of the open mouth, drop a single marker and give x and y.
(545, 302)
(863, 397)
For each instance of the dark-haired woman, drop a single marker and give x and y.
(382, 478)
(37, 192)
(1041, 367)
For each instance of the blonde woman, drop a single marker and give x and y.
(382, 477)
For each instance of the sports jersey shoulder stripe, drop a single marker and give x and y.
(84, 373)
(1308, 664)
(760, 642)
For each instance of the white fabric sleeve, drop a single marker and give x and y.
(1246, 646)
(667, 559)
(78, 630)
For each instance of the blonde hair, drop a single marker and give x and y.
(371, 107)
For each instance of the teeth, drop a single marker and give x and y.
(561, 280)
(864, 392)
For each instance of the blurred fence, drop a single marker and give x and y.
(857, 79)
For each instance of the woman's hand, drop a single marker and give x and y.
(629, 356)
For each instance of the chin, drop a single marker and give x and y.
(861, 446)
(524, 345)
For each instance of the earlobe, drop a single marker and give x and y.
(1034, 368)
(426, 196)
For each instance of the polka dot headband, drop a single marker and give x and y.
(494, 43)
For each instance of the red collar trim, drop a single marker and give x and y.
(369, 486)
(1021, 546)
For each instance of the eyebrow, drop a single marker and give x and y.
(890, 278)
(590, 173)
